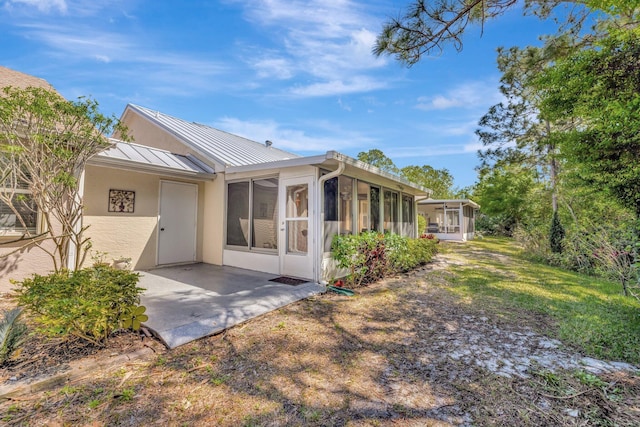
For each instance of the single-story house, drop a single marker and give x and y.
(184, 192)
(449, 219)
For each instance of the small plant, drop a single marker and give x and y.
(218, 379)
(94, 403)
(13, 333)
(126, 395)
(133, 317)
(87, 303)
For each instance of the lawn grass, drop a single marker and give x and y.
(587, 313)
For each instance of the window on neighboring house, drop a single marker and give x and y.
(25, 217)
(252, 214)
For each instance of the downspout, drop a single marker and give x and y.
(319, 200)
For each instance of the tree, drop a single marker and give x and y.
(438, 180)
(378, 159)
(45, 143)
(505, 192)
(599, 88)
(432, 25)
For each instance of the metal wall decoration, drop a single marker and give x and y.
(122, 201)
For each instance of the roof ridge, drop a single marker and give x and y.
(223, 147)
(211, 127)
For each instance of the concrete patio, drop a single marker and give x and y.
(192, 301)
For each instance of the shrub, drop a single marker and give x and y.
(398, 254)
(422, 224)
(556, 234)
(363, 254)
(370, 256)
(13, 333)
(87, 303)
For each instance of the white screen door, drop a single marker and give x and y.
(177, 222)
(296, 227)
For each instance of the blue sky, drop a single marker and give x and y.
(299, 73)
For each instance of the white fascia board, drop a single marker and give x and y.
(464, 202)
(374, 170)
(278, 164)
(321, 159)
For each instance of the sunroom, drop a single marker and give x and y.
(276, 211)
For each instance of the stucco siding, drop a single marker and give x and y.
(128, 235)
(22, 264)
(213, 220)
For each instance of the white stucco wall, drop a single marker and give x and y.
(213, 220)
(22, 264)
(129, 235)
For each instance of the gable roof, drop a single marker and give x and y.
(221, 147)
(9, 77)
(153, 160)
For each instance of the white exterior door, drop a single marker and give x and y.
(297, 247)
(177, 222)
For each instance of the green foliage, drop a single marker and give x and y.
(13, 333)
(363, 254)
(599, 90)
(378, 159)
(133, 317)
(556, 234)
(505, 194)
(587, 313)
(371, 256)
(422, 224)
(438, 180)
(45, 142)
(88, 303)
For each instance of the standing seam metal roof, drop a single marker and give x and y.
(222, 147)
(148, 156)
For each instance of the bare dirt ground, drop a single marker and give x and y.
(402, 352)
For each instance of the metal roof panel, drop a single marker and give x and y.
(220, 146)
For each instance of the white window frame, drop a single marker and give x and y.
(18, 230)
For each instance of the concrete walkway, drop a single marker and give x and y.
(188, 302)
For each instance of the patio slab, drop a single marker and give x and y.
(188, 302)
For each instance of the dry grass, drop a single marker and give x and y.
(381, 358)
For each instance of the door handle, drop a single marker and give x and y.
(162, 229)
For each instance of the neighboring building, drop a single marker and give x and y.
(16, 263)
(449, 219)
(183, 192)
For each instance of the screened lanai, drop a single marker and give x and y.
(449, 219)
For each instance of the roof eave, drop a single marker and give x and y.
(322, 159)
(146, 168)
(465, 202)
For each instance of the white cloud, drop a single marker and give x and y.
(432, 150)
(278, 68)
(330, 41)
(44, 6)
(471, 95)
(338, 87)
(327, 137)
(343, 105)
